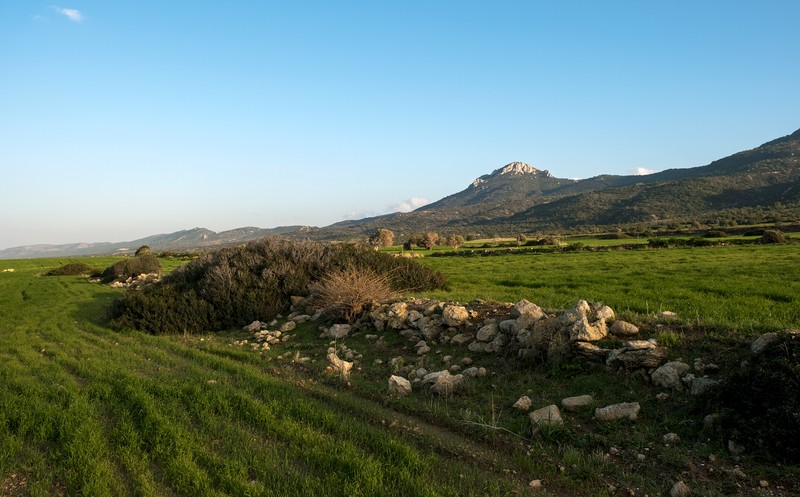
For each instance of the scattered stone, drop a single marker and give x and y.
(465, 361)
(623, 328)
(614, 412)
(735, 448)
(672, 439)
(338, 366)
(638, 358)
(662, 396)
(669, 315)
(761, 343)
(523, 403)
(461, 338)
(640, 457)
(680, 489)
(702, 385)
(396, 315)
(338, 331)
(590, 351)
(546, 416)
(455, 315)
(253, 327)
(535, 484)
(399, 386)
(471, 372)
(573, 404)
(487, 333)
(669, 375)
(763, 483)
(447, 384)
(288, 326)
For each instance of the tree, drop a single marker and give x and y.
(382, 238)
(428, 240)
(143, 250)
(455, 241)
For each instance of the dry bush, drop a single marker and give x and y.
(344, 294)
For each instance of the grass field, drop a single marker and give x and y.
(85, 410)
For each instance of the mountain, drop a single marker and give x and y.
(520, 198)
(761, 184)
(185, 240)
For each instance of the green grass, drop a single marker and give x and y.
(85, 410)
(743, 288)
(88, 411)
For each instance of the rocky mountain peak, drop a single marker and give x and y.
(516, 168)
(512, 169)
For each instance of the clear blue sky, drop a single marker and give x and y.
(120, 120)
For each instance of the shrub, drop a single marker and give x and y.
(143, 250)
(759, 403)
(344, 294)
(226, 288)
(133, 266)
(772, 236)
(72, 269)
(714, 234)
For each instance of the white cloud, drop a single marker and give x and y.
(640, 171)
(73, 15)
(408, 205)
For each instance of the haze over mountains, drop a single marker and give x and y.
(520, 198)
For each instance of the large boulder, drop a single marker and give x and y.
(589, 351)
(455, 315)
(573, 404)
(637, 354)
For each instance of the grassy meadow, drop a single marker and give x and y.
(85, 410)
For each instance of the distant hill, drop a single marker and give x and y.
(521, 198)
(186, 240)
(762, 184)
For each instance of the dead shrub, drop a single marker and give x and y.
(344, 294)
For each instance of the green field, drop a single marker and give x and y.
(85, 410)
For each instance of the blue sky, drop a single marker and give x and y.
(120, 120)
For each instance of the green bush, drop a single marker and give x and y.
(772, 236)
(229, 287)
(133, 266)
(759, 403)
(72, 269)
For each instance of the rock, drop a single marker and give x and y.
(455, 315)
(702, 385)
(297, 301)
(623, 328)
(253, 327)
(396, 315)
(646, 358)
(711, 421)
(523, 307)
(669, 375)
(399, 386)
(288, 326)
(584, 331)
(680, 489)
(431, 377)
(471, 372)
(589, 351)
(447, 384)
(413, 317)
(535, 484)
(508, 326)
(604, 313)
(338, 366)
(638, 345)
(523, 403)
(487, 333)
(669, 315)
(302, 318)
(423, 350)
(465, 361)
(671, 438)
(761, 343)
(461, 338)
(546, 416)
(571, 316)
(338, 331)
(573, 404)
(477, 346)
(614, 412)
(763, 483)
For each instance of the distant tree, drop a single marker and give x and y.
(382, 238)
(143, 250)
(455, 241)
(428, 240)
(521, 238)
(408, 245)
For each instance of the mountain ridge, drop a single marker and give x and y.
(518, 197)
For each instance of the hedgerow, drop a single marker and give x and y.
(229, 287)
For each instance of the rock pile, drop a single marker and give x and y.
(136, 282)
